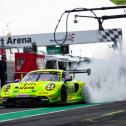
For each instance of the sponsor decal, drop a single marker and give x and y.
(70, 37)
(26, 87)
(31, 84)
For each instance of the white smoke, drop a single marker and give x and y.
(107, 81)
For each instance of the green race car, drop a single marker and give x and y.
(44, 87)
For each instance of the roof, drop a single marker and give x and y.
(55, 70)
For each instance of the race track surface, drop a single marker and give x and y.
(106, 114)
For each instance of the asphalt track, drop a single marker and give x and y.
(106, 114)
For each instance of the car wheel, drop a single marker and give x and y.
(63, 95)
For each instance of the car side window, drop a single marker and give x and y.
(65, 75)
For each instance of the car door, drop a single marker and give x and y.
(69, 85)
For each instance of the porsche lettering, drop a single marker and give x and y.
(26, 87)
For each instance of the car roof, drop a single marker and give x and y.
(49, 70)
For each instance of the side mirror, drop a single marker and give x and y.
(17, 81)
(68, 78)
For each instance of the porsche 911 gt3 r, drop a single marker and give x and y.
(43, 87)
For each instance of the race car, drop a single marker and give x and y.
(49, 86)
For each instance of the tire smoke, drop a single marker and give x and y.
(107, 82)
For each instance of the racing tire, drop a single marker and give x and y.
(63, 96)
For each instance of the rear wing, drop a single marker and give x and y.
(88, 71)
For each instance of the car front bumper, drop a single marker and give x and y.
(25, 100)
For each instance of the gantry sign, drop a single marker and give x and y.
(74, 37)
(112, 35)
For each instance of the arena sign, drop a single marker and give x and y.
(11, 41)
(74, 37)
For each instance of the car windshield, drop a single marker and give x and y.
(42, 76)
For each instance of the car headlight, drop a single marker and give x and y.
(50, 86)
(6, 87)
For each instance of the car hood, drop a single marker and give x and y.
(33, 85)
(29, 88)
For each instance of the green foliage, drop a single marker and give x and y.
(119, 2)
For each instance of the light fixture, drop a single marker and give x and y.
(75, 20)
